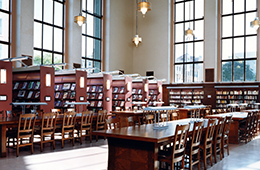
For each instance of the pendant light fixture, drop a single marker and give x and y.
(79, 19)
(137, 39)
(144, 7)
(189, 32)
(255, 24)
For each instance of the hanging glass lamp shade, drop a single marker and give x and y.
(80, 20)
(144, 7)
(137, 40)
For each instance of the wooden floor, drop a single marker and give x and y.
(94, 157)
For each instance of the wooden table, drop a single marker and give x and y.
(136, 147)
(237, 117)
(183, 112)
(136, 114)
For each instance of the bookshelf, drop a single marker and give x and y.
(34, 84)
(121, 93)
(140, 93)
(70, 87)
(98, 93)
(155, 92)
(6, 83)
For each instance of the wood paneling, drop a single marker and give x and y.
(209, 75)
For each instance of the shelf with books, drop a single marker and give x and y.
(70, 89)
(155, 92)
(34, 84)
(140, 93)
(98, 94)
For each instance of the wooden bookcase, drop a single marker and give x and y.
(121, 93)
(29, 85)
(6, 86)
(68, 89)
(98, 94)
(140, 93)
(155, 92)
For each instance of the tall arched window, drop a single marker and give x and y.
(188, 52)
(92, 34)
(238, 40)
(5, 28)
(48, 31)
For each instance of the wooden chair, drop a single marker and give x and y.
(101, 121)
(206, 144)
(112, 123)
(84, 128)
(245, 129)
(174, 115)
(67, 128)
(218, 138)
(254, 125)
(225, 135)
(192, 150)
(47, 129)
(176, 153)
(25, 131)
(148, 118)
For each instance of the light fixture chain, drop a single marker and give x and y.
(136, 11)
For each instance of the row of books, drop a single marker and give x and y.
(135, 91)
(27, 85)
(65, 95)
(96, 104)
(95, 89)
(30, 94)
(117, 90)
(65, 86)
(94, 95)
(119, 103)
(60, 103)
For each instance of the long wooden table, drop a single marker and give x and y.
(136, 147)
(237, 118)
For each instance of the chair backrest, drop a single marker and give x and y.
(26, 123)
(248, 121)
(210, 131)
(174, 115)
(179, 142)
(49, 121)
(86, 118)
(112, 123)
(196, 134)
(220, 128)
(69, 119)
(149, 118)
(102, 116)
(227, 123)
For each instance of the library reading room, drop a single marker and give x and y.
(129, 84)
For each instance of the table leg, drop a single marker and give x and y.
(3, 140)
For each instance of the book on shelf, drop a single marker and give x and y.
(21, 93)
(24, 85)
(65, 95)
(31, 84)
(66, 86)
(133, 91)
(122, 103)
(97, 89)
(99, 104)
(100, 95)
(93, 89)
(140, 91)
(37, 85)
(116, 103)
(140, 97)
(73, 86)
(115, 90)
(93, 95)
(30, 94)
(57, 95)
(37, 95)
(149, 97)
(134, 97)
(122, 90)
(88, 95)
(154, 97)
(151, 91)
(100, 89)
(72, 95)
(57, 103)
(92, 103)
(115, 97)
(87, 88)
(16, 85)
(57, 87)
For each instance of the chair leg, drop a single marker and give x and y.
(215, 152)
(53, 143)
(41, 143)
(90, 137)
(198, 158)
(96, 138)
(205, 159)
(211, 161)
(62, 143)
(17, 148)
(228, 146)
(220, 154)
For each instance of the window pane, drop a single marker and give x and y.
(238, 71)
(58, 13)
(251, 70)
(57, 58)
(89, 63)
(239, 5)
(239, 25)
(238, 48)
(47, 37)
(199, 9)
(4, 36)
(84, 4)
(3, 51)
(83, 63)
(251, 5)
(188, 52)
(37, 35)
(226, 71)
(58, 40)
(199, 30)
(38, 9)
(97, 65)
(4, 4)
(188, 74)
(199, 51)
(227, 26)
(178, 53)
(189, 10)
(226, 49)
(179, 33)
(83, 27)
(179, 12)
(226, 6)
(83, 48)
(37, 57)
(178, 73)
(47, 58)
(250, 17)
(93, 26)
(198, 72)
(48, 11)
(251, 44)
(97, 50)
